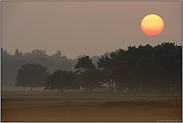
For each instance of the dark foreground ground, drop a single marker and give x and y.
(53, 106)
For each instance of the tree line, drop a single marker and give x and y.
(11, 63)
(147, 68)
(137, 69)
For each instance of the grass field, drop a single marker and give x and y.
(53, 106)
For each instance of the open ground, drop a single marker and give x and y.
(97, 106)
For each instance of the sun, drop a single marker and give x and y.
(152, 24)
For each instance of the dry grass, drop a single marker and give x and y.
(53, 106)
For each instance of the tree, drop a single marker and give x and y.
(127, 58)
(6, 72)
(57, 57)
(5, 54)
(145, 51)
(14, 67)
(31, 75)
(18, 54)
(147, 74)
(105, 65)
(62, 80)
(39, 53)
(122, 77)
(51, 66)
(91, 79)
(65, 65)
(84, 63)
(168, 56)
(88, 74)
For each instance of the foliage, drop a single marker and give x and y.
(147, 74)
(105, 65)
(50, 65)
(91, 79)
(122, 76)
(158, 67)
(6, 72)
(37, 56)
(62, 80)
(90, 76)
(31, 75)
(84, 63)
(18, 54)
(65, 66)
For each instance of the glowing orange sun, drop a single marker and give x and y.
(152, 24)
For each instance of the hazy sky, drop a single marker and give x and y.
(84, 28)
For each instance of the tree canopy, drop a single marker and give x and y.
(84, 63)
(122, 77)
(31, 75)
(62, 80)
(155, 68)
(91, 79)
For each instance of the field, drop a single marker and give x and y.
(69, 106)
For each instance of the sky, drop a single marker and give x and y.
(84, 28)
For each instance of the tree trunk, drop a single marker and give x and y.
(111, 87)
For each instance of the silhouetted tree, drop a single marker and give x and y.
(18, 54)
(163, 62)
(31, 75)
(90, 79)
(89, 76)
(14, 67)
(105, 65)
(147, 74)
(145, 51)
(95, 59)
(62, 80)
(127, 58)
(169, 57)
(5, 54)
(122, 77)
(83, 64)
